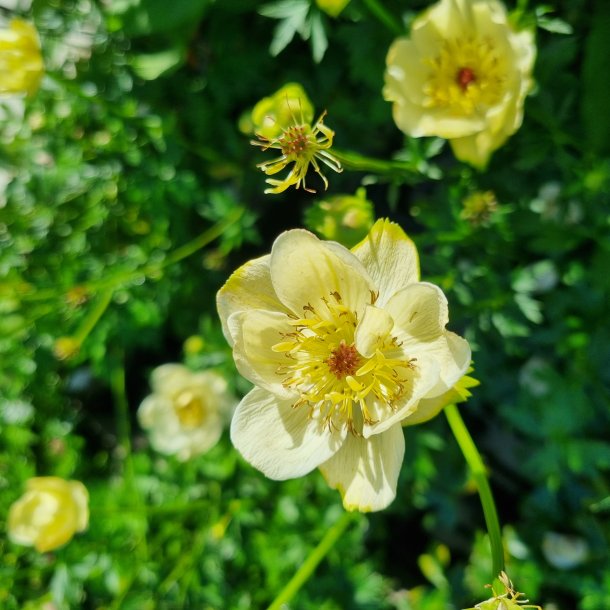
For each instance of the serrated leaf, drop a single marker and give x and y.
(282, 36)
(285, 9)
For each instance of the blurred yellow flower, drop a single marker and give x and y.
(185, 414)
(342, 346)
(301, 144)
(332, 7)
(278, 111)
(343, 218)
(21, 66)
(463, 75)
(50, 512)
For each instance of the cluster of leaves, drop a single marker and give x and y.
(132, 195)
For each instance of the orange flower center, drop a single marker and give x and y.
(343, 361)
(464, 77)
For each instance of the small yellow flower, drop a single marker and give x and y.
(21, 66)
(332, 7)
(50, 512)
(274, 113)
(301, 144)
(343, 218)
(479, 207)
(463, 75)
(185, 414)
(343, 346)
(509, 600)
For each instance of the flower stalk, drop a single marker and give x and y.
(304, 573)
(477, 469)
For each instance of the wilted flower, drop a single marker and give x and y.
(21, 66)
(463, 75)
(479, 207)
(184, 415)
(509, 600)
(301, 144)
(342, 346)
(50, 512)
(274, 113)
(332, 7)
(343, 218)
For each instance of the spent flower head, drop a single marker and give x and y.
(343, 347)
(185, 414)
(50, 512)
(301, 144)
(509, 600)
(462, 74)
(21, 65)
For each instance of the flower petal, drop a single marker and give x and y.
(372, 329)
(420, 310)
(249, 287)
(365, 471)
(390, 258)
(281, 441)
(255, 333)
(304, 272)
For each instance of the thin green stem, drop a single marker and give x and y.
(93, 317)
(400, 169)
(304, 573)
(479, 474)
(384, 16)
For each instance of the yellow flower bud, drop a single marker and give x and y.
(21, 65)
(50, 512)
(332, 7)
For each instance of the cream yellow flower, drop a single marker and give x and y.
(21, 66)
(185, 414)
(50, 512)
(274, 113)
(342, 346)
(463, 75)
(301, 144)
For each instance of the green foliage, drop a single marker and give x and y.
(128, 197)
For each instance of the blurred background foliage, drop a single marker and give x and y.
(128, 196)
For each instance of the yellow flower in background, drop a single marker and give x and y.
(342, 346)
(332, 7)
(185, 414)
(343, 218)
(21, 65)
(300, 144)
(278, 111)
(462, 74)
(50, 512)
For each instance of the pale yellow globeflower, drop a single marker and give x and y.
(50, 512)
(185, 414)
(21, 65)
(462, 74)
(343, 346)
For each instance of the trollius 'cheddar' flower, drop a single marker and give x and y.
(185, 414)
(463, 75)
(21, 65)
(342, 347)
(50, 512)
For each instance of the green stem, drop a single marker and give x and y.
(384, 16)
(356, 162)
(93, 317)
(477, 468)
(304, 573)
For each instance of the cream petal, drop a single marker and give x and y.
(420, 310)
(304, 271)
(373, 328)
(249, 287)
(255, 333)
(390, 258)
(365, 471)
(281, 441)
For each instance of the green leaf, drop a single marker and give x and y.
(319, 42)
(151, 66)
